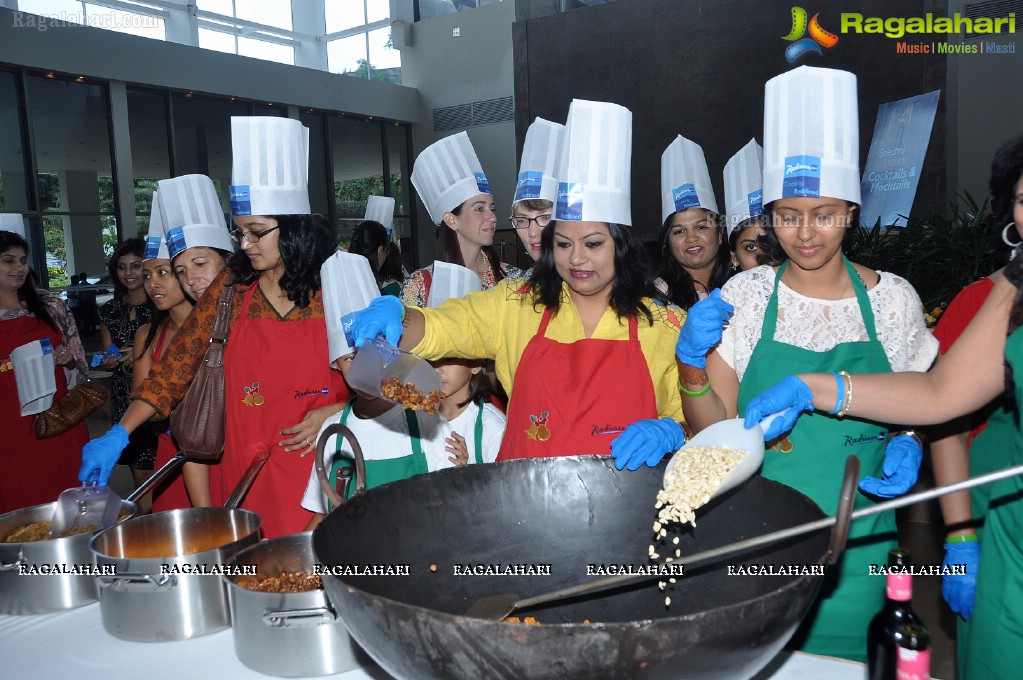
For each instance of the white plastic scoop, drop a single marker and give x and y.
(89, 505)
(377, 361)
(732, 434)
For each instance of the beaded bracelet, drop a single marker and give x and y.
(848, 394)
(699, 393)
(962, 539)
(839, 393)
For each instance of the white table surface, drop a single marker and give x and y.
(73, 644)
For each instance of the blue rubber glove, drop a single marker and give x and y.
(382, 317)
(702, 329)
(902, 458)
(790, 395)
(959, 589)
(100, 455)
(646, 441)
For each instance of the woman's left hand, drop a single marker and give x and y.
(303, 435)
(455, 445)
(62, 356)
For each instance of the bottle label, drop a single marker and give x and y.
(900, 587)
(913, 664)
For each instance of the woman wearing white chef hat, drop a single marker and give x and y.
(744, 209)
(537, 186)
(373, 239)
(694, 257)
(581, 347)
(450, 181)
(33, 471)
(277, 391)
(816, 311)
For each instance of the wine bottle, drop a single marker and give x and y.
(913, 654)
(882, 645)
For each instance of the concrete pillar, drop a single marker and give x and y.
(308, 17)
(121, 141)
(83, 234)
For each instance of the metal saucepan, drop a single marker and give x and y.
(577, 515)
(286, 634)
(68, 560)
(158, 591)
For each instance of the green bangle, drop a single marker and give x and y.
(686, 392)
(962, 539)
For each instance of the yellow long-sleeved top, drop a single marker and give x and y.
(498, 323)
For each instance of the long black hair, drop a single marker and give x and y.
(366, 239)
(630, 285)
(305, 242)
(129, 246)
(448, 249)
(27, 293)
(681, 287)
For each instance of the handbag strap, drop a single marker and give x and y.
(224, 305)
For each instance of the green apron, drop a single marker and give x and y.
(993, 647)
(814, 465)
(381, 471)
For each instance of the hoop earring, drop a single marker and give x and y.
(1005, 236)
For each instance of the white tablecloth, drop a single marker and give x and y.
(73, 644)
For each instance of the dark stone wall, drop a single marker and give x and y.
(698, 68)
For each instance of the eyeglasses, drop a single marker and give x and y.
(134, 266)
(520, 222)
(252, 236)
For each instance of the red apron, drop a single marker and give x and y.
(32, 471)
(574, 398)
(274, 373)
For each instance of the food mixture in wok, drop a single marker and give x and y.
(408, 396)
(286, 582)
(40, 531)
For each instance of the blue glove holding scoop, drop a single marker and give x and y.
(100, 455)
(383, 316)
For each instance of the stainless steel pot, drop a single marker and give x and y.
(286, 634)
(167, 566)
(24, 589)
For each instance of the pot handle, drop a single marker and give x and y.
(139, 582)
(258, 461)
(360, 464)
(299, 618)
(843, 516)
(11, 566)
(169, 467)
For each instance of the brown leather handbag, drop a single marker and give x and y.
(71, 409)
(198, 422)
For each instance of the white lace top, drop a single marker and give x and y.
(819, 325)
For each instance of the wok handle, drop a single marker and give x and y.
(258, 461)
(321, 472)
(299, 618)
(169, 467)
(843, 516)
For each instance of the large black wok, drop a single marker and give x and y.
(568, 513)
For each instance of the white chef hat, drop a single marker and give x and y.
(191, 214)
(381, 209)
(270, 166)
(744, 185)
(348, 286)
(451, 281)
(156, 241)
(13, 222)
(447, 173)
(685, 180)
(594, 165)
(811, 135)
(539, 160)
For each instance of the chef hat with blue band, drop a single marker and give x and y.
(744, 185)
(537, 180)
(451, 281)
(811, 135)
(156, 241)
(448, 173)
(381, 209)
(13, 222)
(348, 286)
(685, 180)
(595, 164)
(269, 166)
(190, 210)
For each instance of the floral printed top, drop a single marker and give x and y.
(65, 321)
(417, 293)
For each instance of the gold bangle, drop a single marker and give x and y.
(848, 394)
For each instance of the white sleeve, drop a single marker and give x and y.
(901, 327)
(314, 500)
(494, 423)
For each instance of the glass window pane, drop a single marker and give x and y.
(319, 199)
(215, 40)
(358, 167)
(347, 55)
(276, 13)
(342, 14)
(385, 61)
(13, 177)
(125, 22)
(59, 10)
(377, 10)
(225, 7)
(69, 124)
(150, 154)
(202, 139)
(261, 49)
(398, 161)
(435, 8)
